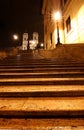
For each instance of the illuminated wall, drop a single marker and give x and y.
(75, 9)
(71, 24)
(25, 41)
(50, 35)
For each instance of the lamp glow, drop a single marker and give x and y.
(15, 37)
(57, 16)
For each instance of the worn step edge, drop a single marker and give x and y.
(16, 124)
(42, 106)
(41, 73)
(43, 94)
(40, 79)
(35, 88)
(42, 91)
(36, 75)
(41, 114)
(54, 70)
(40, 67)
(42, 83)
(19, 66)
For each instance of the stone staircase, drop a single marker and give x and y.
(35, 87)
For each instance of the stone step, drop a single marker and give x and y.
(41, 75)
(42, 124)
(39, 63)
(38, 88)
(30, 63)
(42, 65)
(42, 70)
(42, 107)
(22, 57)
(43, 81)
(36, 62)
(25, 61)
(41, 91)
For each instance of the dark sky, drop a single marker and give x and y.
(19, 16)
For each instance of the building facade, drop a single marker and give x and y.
(71, 22)
(25, 41)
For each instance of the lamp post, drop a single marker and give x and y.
(57, 18)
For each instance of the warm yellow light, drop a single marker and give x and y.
(15, 37)
(32, 42)
(57, 16)
(42, 45)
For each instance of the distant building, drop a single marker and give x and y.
(25, 41)
(71, 22)
(33, 43)
(35, 37)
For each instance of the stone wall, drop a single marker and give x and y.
(8, 52)
(66, 51)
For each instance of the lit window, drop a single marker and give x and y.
(68, 24)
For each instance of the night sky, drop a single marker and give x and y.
(19, 16)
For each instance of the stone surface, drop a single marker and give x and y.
(50, 128)
(55, 106)
(42, 124)
(40, 88)
(38, 109)
(43, 104)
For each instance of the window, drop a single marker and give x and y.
(68, 24)
(51, 37)
(65, 1)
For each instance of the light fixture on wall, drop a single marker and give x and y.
(57, 17)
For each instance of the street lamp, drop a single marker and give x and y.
(57, 18)
(15, 37)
